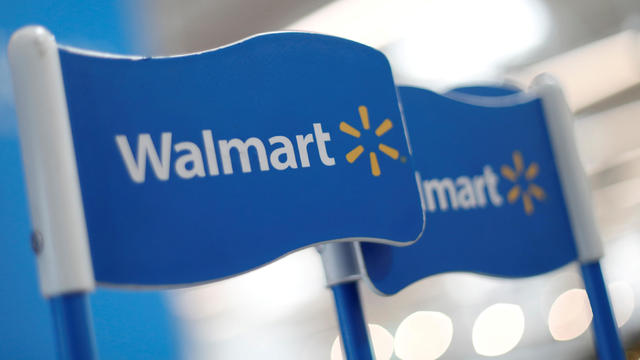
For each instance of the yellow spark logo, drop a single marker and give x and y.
(354, 154)
(530, 174)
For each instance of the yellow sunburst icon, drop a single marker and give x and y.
(532, 190)
(382, 129)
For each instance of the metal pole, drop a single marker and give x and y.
(608, 344)
(353, 327)
(342, 271)
(73, 327)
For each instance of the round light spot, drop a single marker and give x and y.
(498, 329)
(423, 335)
(570, 315)
(380, 337)
(336, 349)
(622, 301)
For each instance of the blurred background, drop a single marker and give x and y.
(283, 310)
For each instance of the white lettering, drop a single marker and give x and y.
(466, 197)
(193, 156)
(303, 142)
(195, 160)
(492, 186)
(286, 150)
(442, 188)
(478, 185)
(243, 152)
(210, 152)
(321, 138)
(137, 166)
(465, 193)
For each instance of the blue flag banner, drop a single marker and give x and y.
(198, 167)
(494, 202)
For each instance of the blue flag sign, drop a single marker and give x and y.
(199, 167)
(494, 202)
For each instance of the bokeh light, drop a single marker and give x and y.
(622, 300)
(498, 329)
(570, 315)
(423, 335)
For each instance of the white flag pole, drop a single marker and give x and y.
(576, 191)
(59, 238)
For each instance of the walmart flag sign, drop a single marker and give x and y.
(494, 202)
(202, 166)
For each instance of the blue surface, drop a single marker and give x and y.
(486, 90)
(180, 230)
(74, 327)
(128, 325)
(452, 139)
(353, 327)
(607, 338)
(134, 325)
(24, 313)
(101, 24)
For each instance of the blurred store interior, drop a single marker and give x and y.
(283, 311)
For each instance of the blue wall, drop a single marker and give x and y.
(129, 325)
